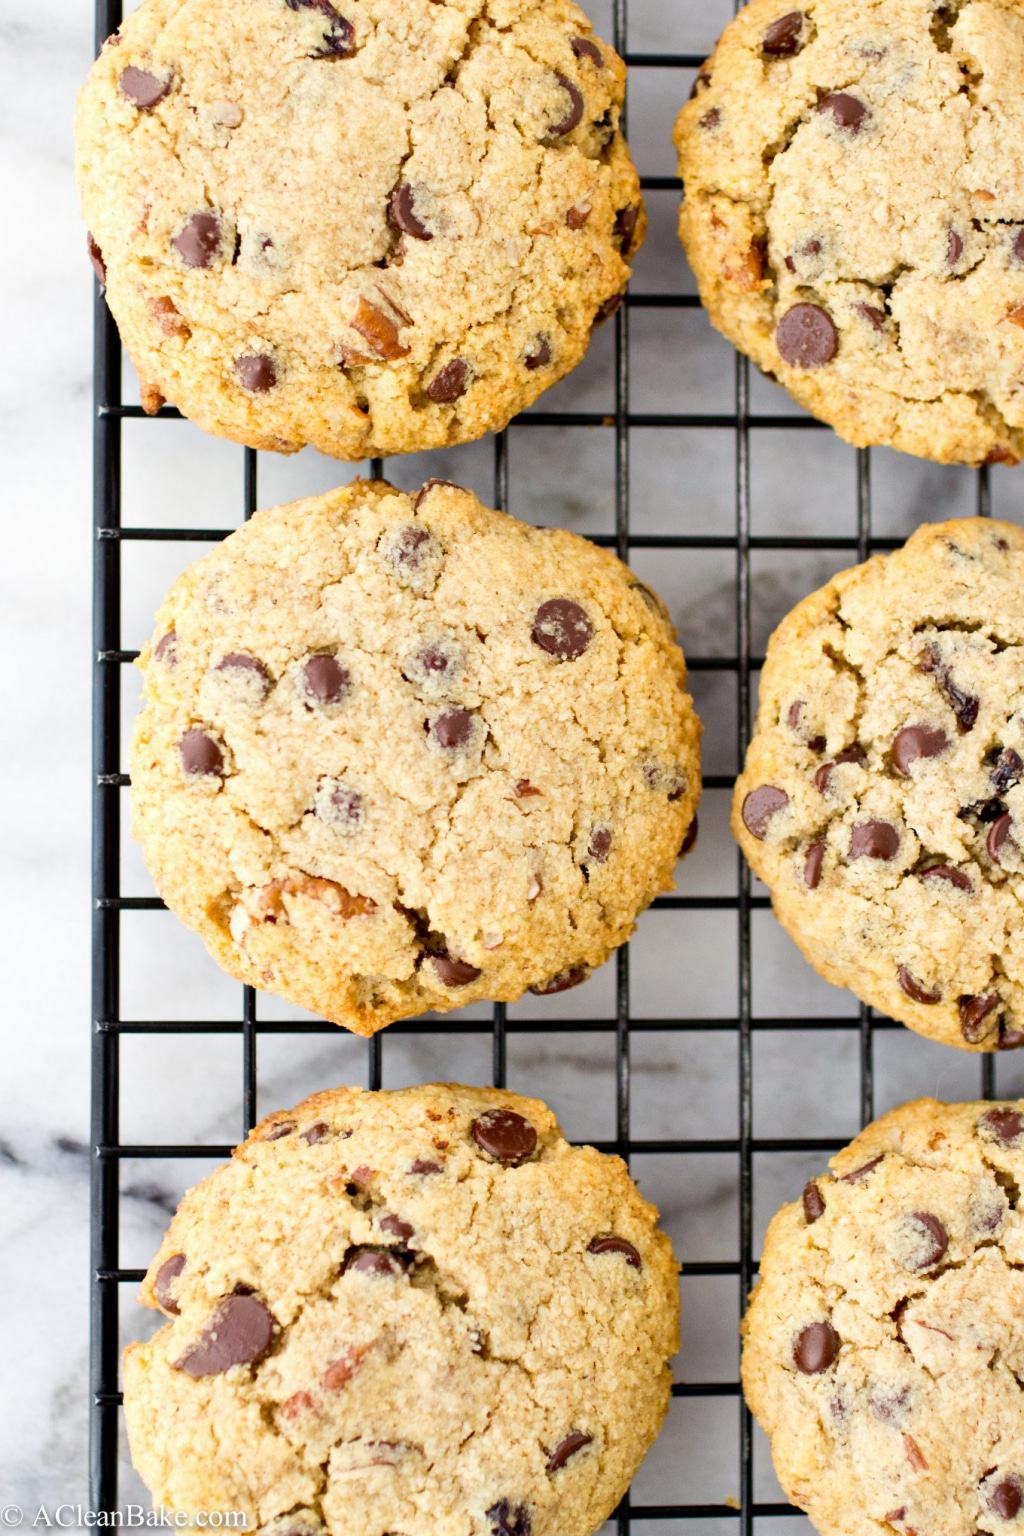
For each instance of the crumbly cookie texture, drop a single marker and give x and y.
(375, 226)
(882, 799)
(419, 1311)
(854, 214)
(884, 1344)
(402, 753)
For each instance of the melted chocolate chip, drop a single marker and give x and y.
(975, 1015)
(610, 1244)
(508, 1519)
(759, 806)
(396, 1227)
(539, 355)
(814, 1348)
(952, 876)
(812, 865)
(964, 705)
(1003, 1125)
(99, 266)
(862, 1172)
(279, 1130)
(451, 383)
(199, 242)
(998, 836)
(929, 1238)
(600, 844)
(607, 309)
(423, 492)
(562, 629)
(574, 114)
(914, 990)
(315, 1133)
(874, 840)
(915, 741)
(340, 36)
(624, 227)
(256, 372)
(823, 777)
(379, 1263)
(586, 48)
(402, 213)
(1010, 1038)
(563, 982)
(847, 112)
(1007, 770)
(240, 1331)
(806, 337)
(507, 1137)
(200, 754)
(573, 1443)
(783, 37)
(324, 680)
(163, 1282)
(875, 317)
(143, 89)
(454, 973)
(1007, 1498)
(453, 730)
(813, 1204)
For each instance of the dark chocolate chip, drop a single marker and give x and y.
(163, 1282)
(931, 1240)
(315, 1133)
(759, 806)
(813, 1204)
(701, 81)
(256, 372)
(339, 39)
(324, 679)
(280, 1129)
(99, 266)
(1007, 770)
(396, 1227)
(782, 38)
(812, 865)
(251, 666)
(508, 1519)
(862, 1172)
(452, 730)
(454, 973)
(1018, 245)
(1006, 1498)
(378, 1262)
(954, 248)
(166, 650)
(608, 308)
(402, 213)
(625, 226)
(240, 1331)
(874, 840)
(586, 48)
(600, 844)
(690, 840)
(423, 492)
(562, 629)
(1010, 1038)
(975, 1011)
(572, 117)
(507, 1137)
(566, 1448)
(424, 1166)
(200, 754)
(814, 1348)
(199, 242)
(998, 835)
(964, 705)
(143, 89)
(539, 355)
(339, 805)
(806, 337)
(411, 545)
(914, 990)
(952, 876)
(610, 1244)
(1003, 1125)
(451, 383)
(563, 982)
(874, 316)
(823, 777)
(847, 112)
(916, 741)
(711, 119)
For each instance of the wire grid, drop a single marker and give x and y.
(109, 658)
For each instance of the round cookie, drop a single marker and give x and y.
(403, 753)
(418, 1311)
(375, 226)
(884, 1348)
(854, 214)
(882, 798)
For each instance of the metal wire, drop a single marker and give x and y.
(108, 1026)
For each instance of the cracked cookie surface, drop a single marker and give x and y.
(854, 214)
(404, 753)
(412, 1313)
(375, 226)
(884, 1343)
(882, 797)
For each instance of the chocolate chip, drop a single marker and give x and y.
(690, 840)
(914, 990)
(862, 1172)
(600, 844)
(586, 48)
(573, 1442)
(397, 1227)
(249, 666)
(422, 1165)
(954, 877)
(711, 119)
(954, 248)
(454, 973)
(701, 81)
(562, 629)
(814, 1348)
(163, 1282)
(964, 705)
(759, 806)
(847, 112)
(240, 1331)
(315, 1133)
(929, 1240)
(624, 227)
(782, 38)
(572, 117)
(199, 242)
(142, 89)
(539, 355)
(1003, 1125)
(166, 648)
(339, 39)
(998, 835)
(916, 741)
(1010, 1038)
(324, 680)
(278, 1130)
(1007, 770)
(256, 372)
(451, 383)
(402, 213)
(875, 317)
(608, 308)
(99, 266)
(338, 805)
(563, 982)
(812, 865)
(813, 1204)
(1018, 245)
(425, 490)
(378, 1262)
(509, 1519)
(874, 840)
(823, 777)
(200, 754)
(507, 1137)
(974, 1014)
(453, 730)
(806, 337)
(601, 1245)
(1006, 1498)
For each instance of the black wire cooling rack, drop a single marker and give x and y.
(109, 1280)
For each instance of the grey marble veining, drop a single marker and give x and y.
(682, 965)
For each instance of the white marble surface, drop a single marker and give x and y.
(682, 965)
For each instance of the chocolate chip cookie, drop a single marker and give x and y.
(882, 799)
(373, 227)
(418, 1311)
(854, 215)
(884, 1350)
(402, 753)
